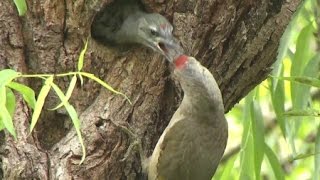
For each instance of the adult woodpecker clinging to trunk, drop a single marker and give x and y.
(191, 146)
(125, 22)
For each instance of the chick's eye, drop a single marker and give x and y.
(154, 32)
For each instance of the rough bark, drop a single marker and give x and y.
(236, 40)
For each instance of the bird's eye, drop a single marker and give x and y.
(154, 32)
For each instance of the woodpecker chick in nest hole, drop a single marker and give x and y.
(125, 22)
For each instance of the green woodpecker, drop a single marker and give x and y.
(125, 22)
(191, 146)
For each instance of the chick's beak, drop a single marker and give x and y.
(169, 48)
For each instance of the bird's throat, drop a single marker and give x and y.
(181, 61)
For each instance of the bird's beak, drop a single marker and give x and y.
(169, 48)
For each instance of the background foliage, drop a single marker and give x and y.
(279, 119)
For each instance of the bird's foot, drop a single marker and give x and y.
(135, 142)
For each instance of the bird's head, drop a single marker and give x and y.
(155, 31)
(191, 74)
(198, 82)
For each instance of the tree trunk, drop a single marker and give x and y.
(236, 40)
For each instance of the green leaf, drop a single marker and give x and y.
(74, 117)
(81, 57)
(303, 50)
(107, 86)
(303, 156)
(310, 81)
(7, 121)
(303, 112)
(40, 101)
(304, 64)
(228, 168)
(7, 75)
(21, 6)
(258, 133)
(283, 49)
(247, 169)
(27, 93)
(277, 92)
(3, 97)
(69, 92)
(11, 101)
(5, 115)
(301, 58)
(81, 79)
(274, 162)
(316, 176)
(312, 68)
(1, 125)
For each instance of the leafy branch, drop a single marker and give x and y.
(7, 98)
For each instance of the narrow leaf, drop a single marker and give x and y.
(278, 101)
(303, 112)
(21, 6)
(11, 102)
(310, 81)
(107, 86)
(27, 93)
(7, 75)
(274, 162)
(316, 176)
(74, 117)
(312, 68)
(303, 54)
(40, 102)
(69, 92)
(228, 168)
(303, 50)
(2, 127)
(81, 80)
(283, 49)
(5, 115)
(247, 170)
(258, 134)
(81, 57)
(303, 156)
(7, 121)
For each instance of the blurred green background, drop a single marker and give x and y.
(274, 132)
